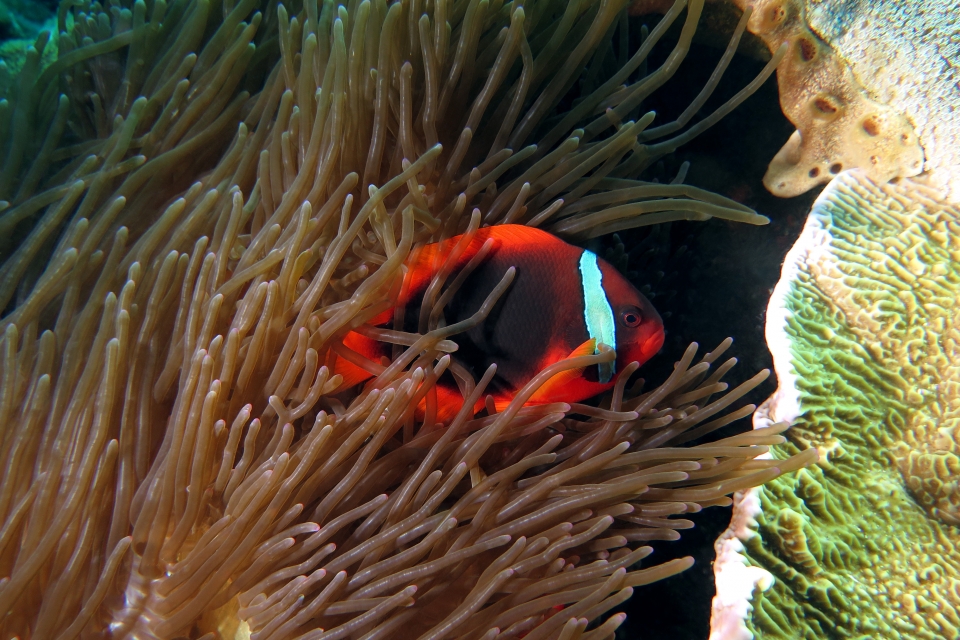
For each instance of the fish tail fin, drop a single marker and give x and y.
(449, 403)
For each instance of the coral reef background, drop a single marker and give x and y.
(23, 19)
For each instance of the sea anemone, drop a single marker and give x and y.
(195, 234)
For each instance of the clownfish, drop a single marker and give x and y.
(563, 302)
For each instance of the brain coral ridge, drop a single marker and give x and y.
(863, 328)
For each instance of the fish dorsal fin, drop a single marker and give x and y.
(426, 261)
(520, 234)
(564, 378)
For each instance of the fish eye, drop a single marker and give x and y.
(631, 317)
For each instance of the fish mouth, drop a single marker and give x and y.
(651, 344)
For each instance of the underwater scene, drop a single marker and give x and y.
(480, 319)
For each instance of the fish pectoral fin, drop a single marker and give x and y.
(588, 348)
(564, 378)
(357, 358)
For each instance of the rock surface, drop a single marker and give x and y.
(869, 85)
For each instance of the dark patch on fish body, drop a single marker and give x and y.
(540, 315)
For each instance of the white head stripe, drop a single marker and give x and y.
(597, 311)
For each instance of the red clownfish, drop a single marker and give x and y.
(563, 302)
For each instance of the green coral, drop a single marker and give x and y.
(13, 54)
(864, 545)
